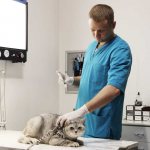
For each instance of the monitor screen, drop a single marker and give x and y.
(13, 24)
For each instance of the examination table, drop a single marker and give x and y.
(8, 141)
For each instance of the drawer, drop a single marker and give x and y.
(136, 133)
(143, 146)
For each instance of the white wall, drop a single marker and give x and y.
(132, 25)
(32, 88)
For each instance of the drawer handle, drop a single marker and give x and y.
(139, 134)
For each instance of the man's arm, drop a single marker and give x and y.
(106, 95)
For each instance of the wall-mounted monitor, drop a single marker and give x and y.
(13, 30)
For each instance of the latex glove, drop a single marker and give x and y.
(72, 115)
(64, 78)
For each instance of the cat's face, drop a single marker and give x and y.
(75, 128)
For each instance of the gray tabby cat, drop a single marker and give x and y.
(38, 127)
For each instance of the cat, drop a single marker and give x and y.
(42, 129)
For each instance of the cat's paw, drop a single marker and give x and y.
(34, 141)
(28, 140)
(74, 144)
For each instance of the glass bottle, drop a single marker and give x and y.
(138, 101)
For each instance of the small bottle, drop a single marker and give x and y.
(138, 101)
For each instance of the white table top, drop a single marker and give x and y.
(8, 141)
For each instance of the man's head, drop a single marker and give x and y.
(101, 22)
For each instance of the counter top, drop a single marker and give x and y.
(136, 123)
(8, 141)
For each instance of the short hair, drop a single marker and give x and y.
(101, 12)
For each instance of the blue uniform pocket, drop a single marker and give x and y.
(100, 74)
(97, 126)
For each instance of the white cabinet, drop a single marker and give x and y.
(137, 133)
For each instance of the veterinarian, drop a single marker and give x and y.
(106, 68)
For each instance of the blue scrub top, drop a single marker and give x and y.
(109, 65)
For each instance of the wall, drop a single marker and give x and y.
(32, 88)
(132, 25)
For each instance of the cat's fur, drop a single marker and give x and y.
(38, 126)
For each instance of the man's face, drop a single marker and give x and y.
(102, 31)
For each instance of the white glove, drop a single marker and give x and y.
(65, 79)
(72, 115)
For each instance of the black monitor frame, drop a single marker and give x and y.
(13, 54)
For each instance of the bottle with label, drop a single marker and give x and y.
(138, 101)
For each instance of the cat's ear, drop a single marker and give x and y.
(67, 123)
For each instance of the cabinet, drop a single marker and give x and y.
(137, 132)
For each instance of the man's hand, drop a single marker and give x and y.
(72, 115)
(65, 79)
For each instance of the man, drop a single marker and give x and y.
(106, 68)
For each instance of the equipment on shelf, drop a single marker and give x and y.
(137, 113)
